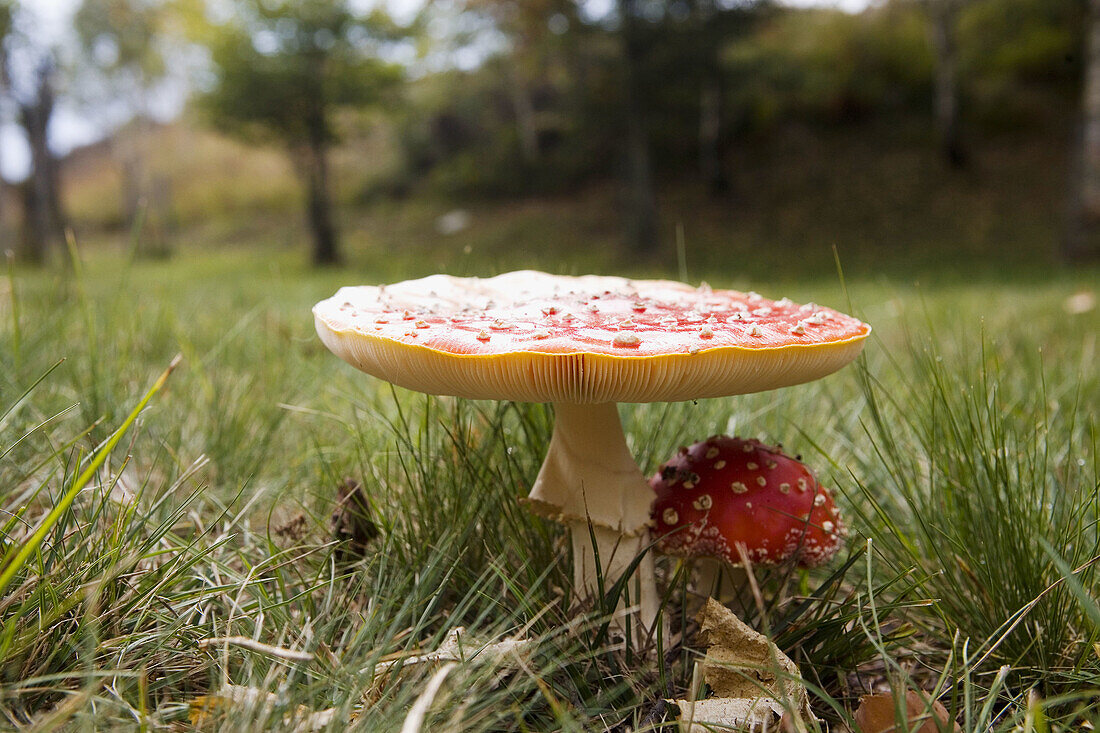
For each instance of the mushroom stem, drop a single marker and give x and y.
(590, 475)
(728, 584)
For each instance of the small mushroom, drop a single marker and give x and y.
(726, 491)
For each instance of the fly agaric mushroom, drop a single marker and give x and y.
(585, 343)
(726, 491)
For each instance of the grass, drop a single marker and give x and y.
(964, 448)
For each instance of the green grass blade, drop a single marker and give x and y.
(35, 540)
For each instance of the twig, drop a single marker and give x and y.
(258, 646)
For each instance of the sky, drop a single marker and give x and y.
(72, 127)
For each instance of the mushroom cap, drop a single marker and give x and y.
(724, 490)
(531, 336)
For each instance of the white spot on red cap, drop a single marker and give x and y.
(626, 339)
(738, 487)
(761, 480)
(670, 516)
(703, 503)
(719, 465)
(712, 452)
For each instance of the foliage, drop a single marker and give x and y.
(774, 66)
(123, 38)
(831, 66)
(283, 68)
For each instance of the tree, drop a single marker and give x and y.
(7, 25)
(28, 73)
(282, 70)
(43, 218)
(641, 198)
(1084, 208)
(943, 15)
(123, 57)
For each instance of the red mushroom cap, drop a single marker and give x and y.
(531, 336)
(726, 490)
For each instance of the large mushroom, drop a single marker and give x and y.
(584, 344)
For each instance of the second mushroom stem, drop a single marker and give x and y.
(589, 474)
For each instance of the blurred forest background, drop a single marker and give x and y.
(739, 135)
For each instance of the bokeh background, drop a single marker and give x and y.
(747, 137)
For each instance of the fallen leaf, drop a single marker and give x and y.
(753, 682)
(458, 646)
(879, 714)
(703, 716)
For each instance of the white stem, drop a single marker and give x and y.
(728, 584)
(590, 475)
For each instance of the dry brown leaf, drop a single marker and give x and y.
(878, 714)
(753, 682)
(457, 646)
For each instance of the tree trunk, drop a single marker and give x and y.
(711, 164)
(326, 247)
(44, 221)
(1084, 203)
(641, 201)
(525, 117)
(942, 14)
(712, 40)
